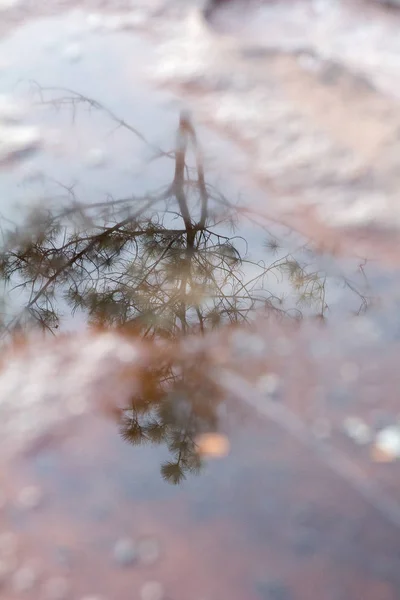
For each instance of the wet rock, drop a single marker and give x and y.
(125, 552)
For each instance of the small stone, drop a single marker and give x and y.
(125, 552)
(269, 384)
(152, 590)
(30, 497)
(356, 429)
(24, 579)
(73, 52)
(96, 158)
(56, 588)
(148, 551)
(387, 444)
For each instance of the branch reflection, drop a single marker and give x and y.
(163, 265)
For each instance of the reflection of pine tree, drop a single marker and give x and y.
(126, 262)
(177, 403)
(162, 265)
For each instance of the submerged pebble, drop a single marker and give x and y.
(357, 430)
(125, 552)
(269, 384)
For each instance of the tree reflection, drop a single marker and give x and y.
(164, 264)
(177, 403)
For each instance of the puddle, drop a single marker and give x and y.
(227, 426)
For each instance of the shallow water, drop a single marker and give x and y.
(224, 321)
